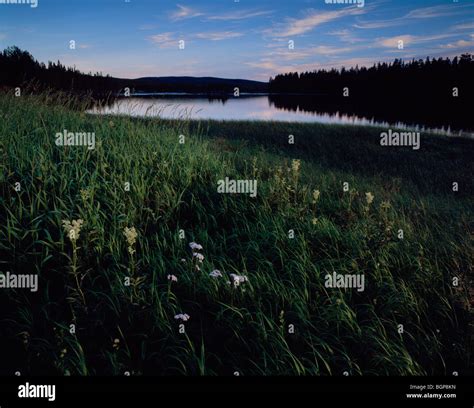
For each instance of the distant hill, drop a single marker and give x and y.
(196, 85)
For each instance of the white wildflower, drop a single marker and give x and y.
(369, 197)
(295, 165)
(195, 247)
(73, 229)
(316, 194)
(216, 274)
(184, 317)
(172, 278)
(131, 236)
(198, 256)
(237, 279)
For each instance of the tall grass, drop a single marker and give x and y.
(132, 328)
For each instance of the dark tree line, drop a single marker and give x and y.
(419, 91)
(416, 79)
(18, 67)
(399, 79)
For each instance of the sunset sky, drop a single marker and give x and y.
(234, 39)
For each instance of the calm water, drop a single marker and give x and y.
(262, 107)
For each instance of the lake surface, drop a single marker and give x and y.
(262, 107)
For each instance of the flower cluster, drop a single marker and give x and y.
(237, 279)
(216, 273)
(195, 247)
(197, 256)
(85, 194)
(369, 197)
(131, 236)
(295, 165)
(182, 316)
(316, 194)
(73, 228)
(197, 259)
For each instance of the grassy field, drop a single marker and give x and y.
(114, 287)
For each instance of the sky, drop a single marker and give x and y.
(234, 38)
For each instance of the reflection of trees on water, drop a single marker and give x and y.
(434, 91)
(222, 99)
(417, 111)
(425, 113)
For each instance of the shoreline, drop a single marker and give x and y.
(462, 134)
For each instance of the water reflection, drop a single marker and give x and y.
(291, 108)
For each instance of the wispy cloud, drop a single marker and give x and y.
(438, 11)
(330, 50)
(380, 24)
(184, 12)
(219, 36)
(408, 39)
(239, 15)
(313, 18)
(269, 67)
(170, 40)
(419, 13)
(463, 26)
(308, 52)
(287, 55)
(346, 36)
(164, 40)
(460, 44)
(392, 42)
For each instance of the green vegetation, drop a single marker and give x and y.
(121, 328)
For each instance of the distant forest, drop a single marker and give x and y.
(419, 79)
(18, 67)
(419, 91)
(425, 78)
